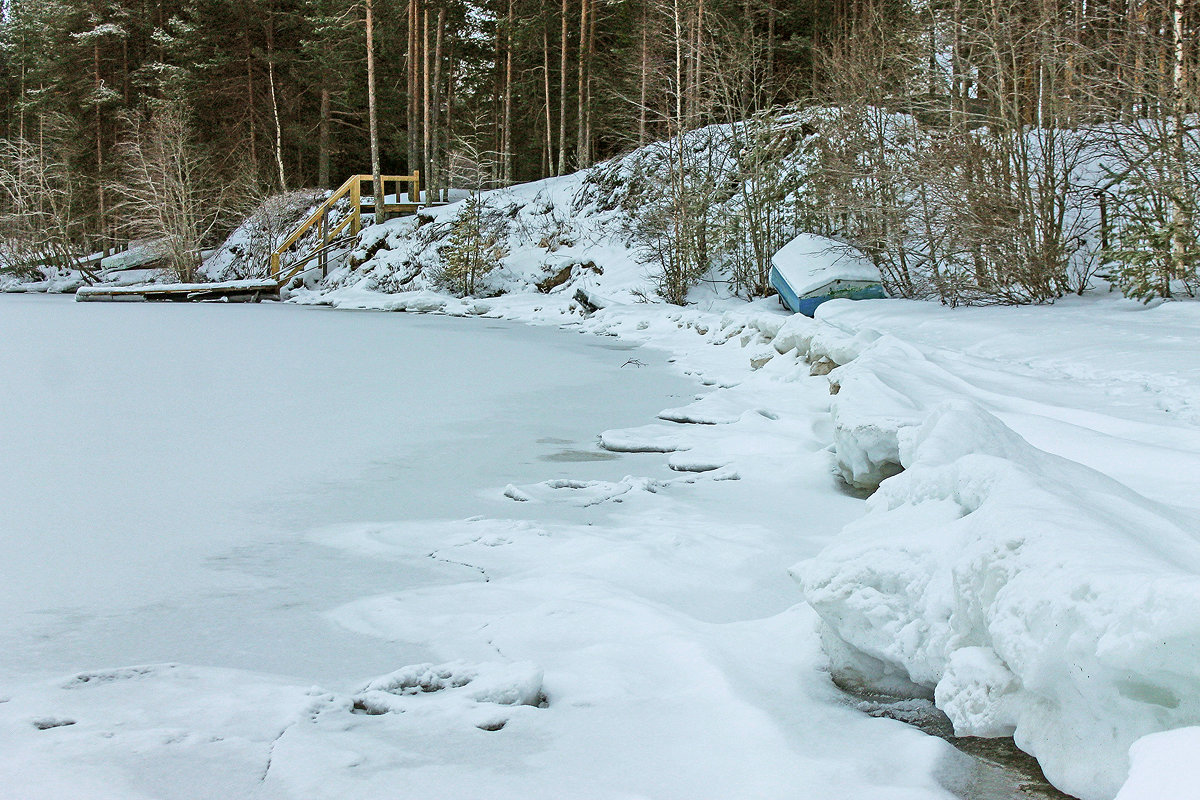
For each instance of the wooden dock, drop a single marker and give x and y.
(246, 291)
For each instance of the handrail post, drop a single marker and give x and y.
(415, 188)
(356, 204)
(324, 227)
(275, 266)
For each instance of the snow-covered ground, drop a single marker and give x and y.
(283, 552)
(1036, 566)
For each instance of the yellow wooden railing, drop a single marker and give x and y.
(321, 218)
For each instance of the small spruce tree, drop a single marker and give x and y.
(475, 247)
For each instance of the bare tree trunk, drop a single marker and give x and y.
(698, 61)
(747, 67)
(99, 143)
(644, 78)
(770, 80)
(678, 66)
(689, 53)
(323, 138)
(580, 121)
(1178, 215)
(275, 105)
(412, 118)
(449, 126)
(496, 162)
(21, 127)
(434, 181)
(125, 69)
(548, 164)
(250, 104)
(425, 120)
(373, 120)
(21, 107)
(587, 89)
(562, 95)
(508, 97)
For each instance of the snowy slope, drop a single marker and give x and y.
(572, 232)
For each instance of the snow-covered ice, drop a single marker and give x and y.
(235, 534)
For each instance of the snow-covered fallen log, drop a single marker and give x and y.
(1030, 595)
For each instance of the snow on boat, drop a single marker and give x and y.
(811, 269)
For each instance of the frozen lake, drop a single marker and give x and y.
(162, 467)
(226, 527)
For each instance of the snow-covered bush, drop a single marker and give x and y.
(676, 227)
(1154, 183)
(246, 253)
(174, 192)
(715, 202)
(770, 205)
(42, 202)
(958, 213)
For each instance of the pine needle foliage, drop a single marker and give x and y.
(475, 247)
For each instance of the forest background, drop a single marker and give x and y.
(960, 152)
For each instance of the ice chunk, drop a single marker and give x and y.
(653, 438)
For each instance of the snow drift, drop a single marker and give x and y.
(1028, 594)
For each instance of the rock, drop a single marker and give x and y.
(760, 362)
(822, 366)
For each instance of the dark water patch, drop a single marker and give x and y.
(46, 723)
(982, 769)
(622, 345)
(576, 456)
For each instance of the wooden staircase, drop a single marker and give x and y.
(333, 232)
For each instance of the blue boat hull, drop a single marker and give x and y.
(808, 305)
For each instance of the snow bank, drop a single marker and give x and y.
(883, 392)
(1032, 595)
(1164, 766)
(473, 693)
